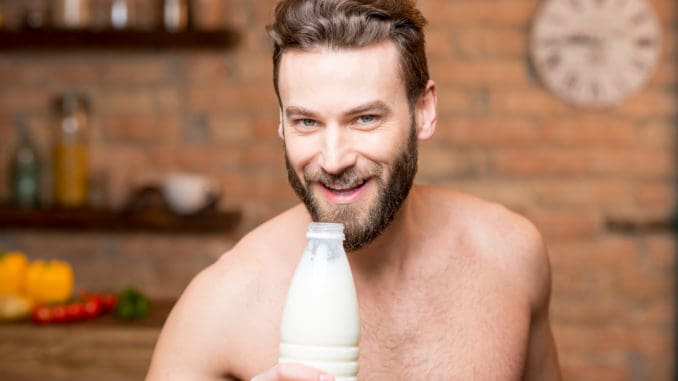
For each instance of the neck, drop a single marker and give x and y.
(388, 254)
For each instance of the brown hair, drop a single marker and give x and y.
(305, 24)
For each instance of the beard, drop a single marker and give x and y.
(391, 193)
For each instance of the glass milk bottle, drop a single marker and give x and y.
(320, 325)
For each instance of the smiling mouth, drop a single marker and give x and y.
(343, 193)
(344, 189)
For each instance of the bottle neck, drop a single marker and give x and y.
(325, 231)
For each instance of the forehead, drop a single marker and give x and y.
(367, 73)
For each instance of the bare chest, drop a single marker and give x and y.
(442, 328)
(473, 332)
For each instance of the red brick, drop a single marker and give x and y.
(661, 251)
(531, 102)
(586, 369)
(24, 100)
(658, 134)
(476, 42)
(490, 13)
(635, 163)
(453, 100)
(222, 98)
(265, 127)
(488, 131)
(664, 74)
(658, 312)
(147, 129)
(228, 128)
(135, 70)
(644, 284)
(665, 10)
(165, 99)
(208, 67)
(438, 42)
(585, 130)
(606, 252)
(251, 69)
(593, 340)
(263, 155)
(539, 161)
(498, 73)
(49, 70)
(655, 195)
(564, 225)
(439, 162)
(518, 196)
(651, 103)
(652, 342)
(592, 310)
(582, 193)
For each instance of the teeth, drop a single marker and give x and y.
(346, 186)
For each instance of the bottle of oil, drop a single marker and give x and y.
(71, 167)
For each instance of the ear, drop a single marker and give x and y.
(281, 131)
(427, 112)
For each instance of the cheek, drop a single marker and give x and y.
(382, 148)
(299, 153)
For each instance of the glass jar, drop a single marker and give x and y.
(71, 14)
(71, 161)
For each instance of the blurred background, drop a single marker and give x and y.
(109, 109)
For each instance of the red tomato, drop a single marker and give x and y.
(59, 314)
(109, 301)
(75, 311)
(93, 307)
(42, 315)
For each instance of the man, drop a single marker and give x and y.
(450, 287)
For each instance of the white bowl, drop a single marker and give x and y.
(188, 193)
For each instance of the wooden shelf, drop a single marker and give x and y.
(89, 220)
(45, 40)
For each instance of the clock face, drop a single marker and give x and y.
(595, 52)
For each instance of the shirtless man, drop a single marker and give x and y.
(450, 287)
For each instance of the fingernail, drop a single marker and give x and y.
(326, 377)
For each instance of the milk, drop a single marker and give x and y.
(320, 326)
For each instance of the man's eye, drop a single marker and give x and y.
(306, 122)
(367, 118)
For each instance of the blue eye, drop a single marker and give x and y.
(306, 122)
(367, 118)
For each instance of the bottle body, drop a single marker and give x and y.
(71, 155)
(320, 326)
(25, 172)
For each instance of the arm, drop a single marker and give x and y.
(186, 348)
(542, 358)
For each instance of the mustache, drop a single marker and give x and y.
(346, 177)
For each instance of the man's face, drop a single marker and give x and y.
(350, 140)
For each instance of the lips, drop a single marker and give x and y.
(344, 193)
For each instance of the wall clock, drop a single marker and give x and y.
(595, 52)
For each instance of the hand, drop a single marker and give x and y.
(293, 372)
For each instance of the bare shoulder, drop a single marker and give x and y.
(504, 239)
(225, 306)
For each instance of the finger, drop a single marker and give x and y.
(293, 372)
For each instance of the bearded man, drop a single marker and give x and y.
(450, 287)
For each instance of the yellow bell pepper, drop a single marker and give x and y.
(13, 266)
(49, 281)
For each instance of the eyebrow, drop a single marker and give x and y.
(378, 106)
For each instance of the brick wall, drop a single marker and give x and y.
(501, 135)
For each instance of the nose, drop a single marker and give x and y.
(337, 153)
